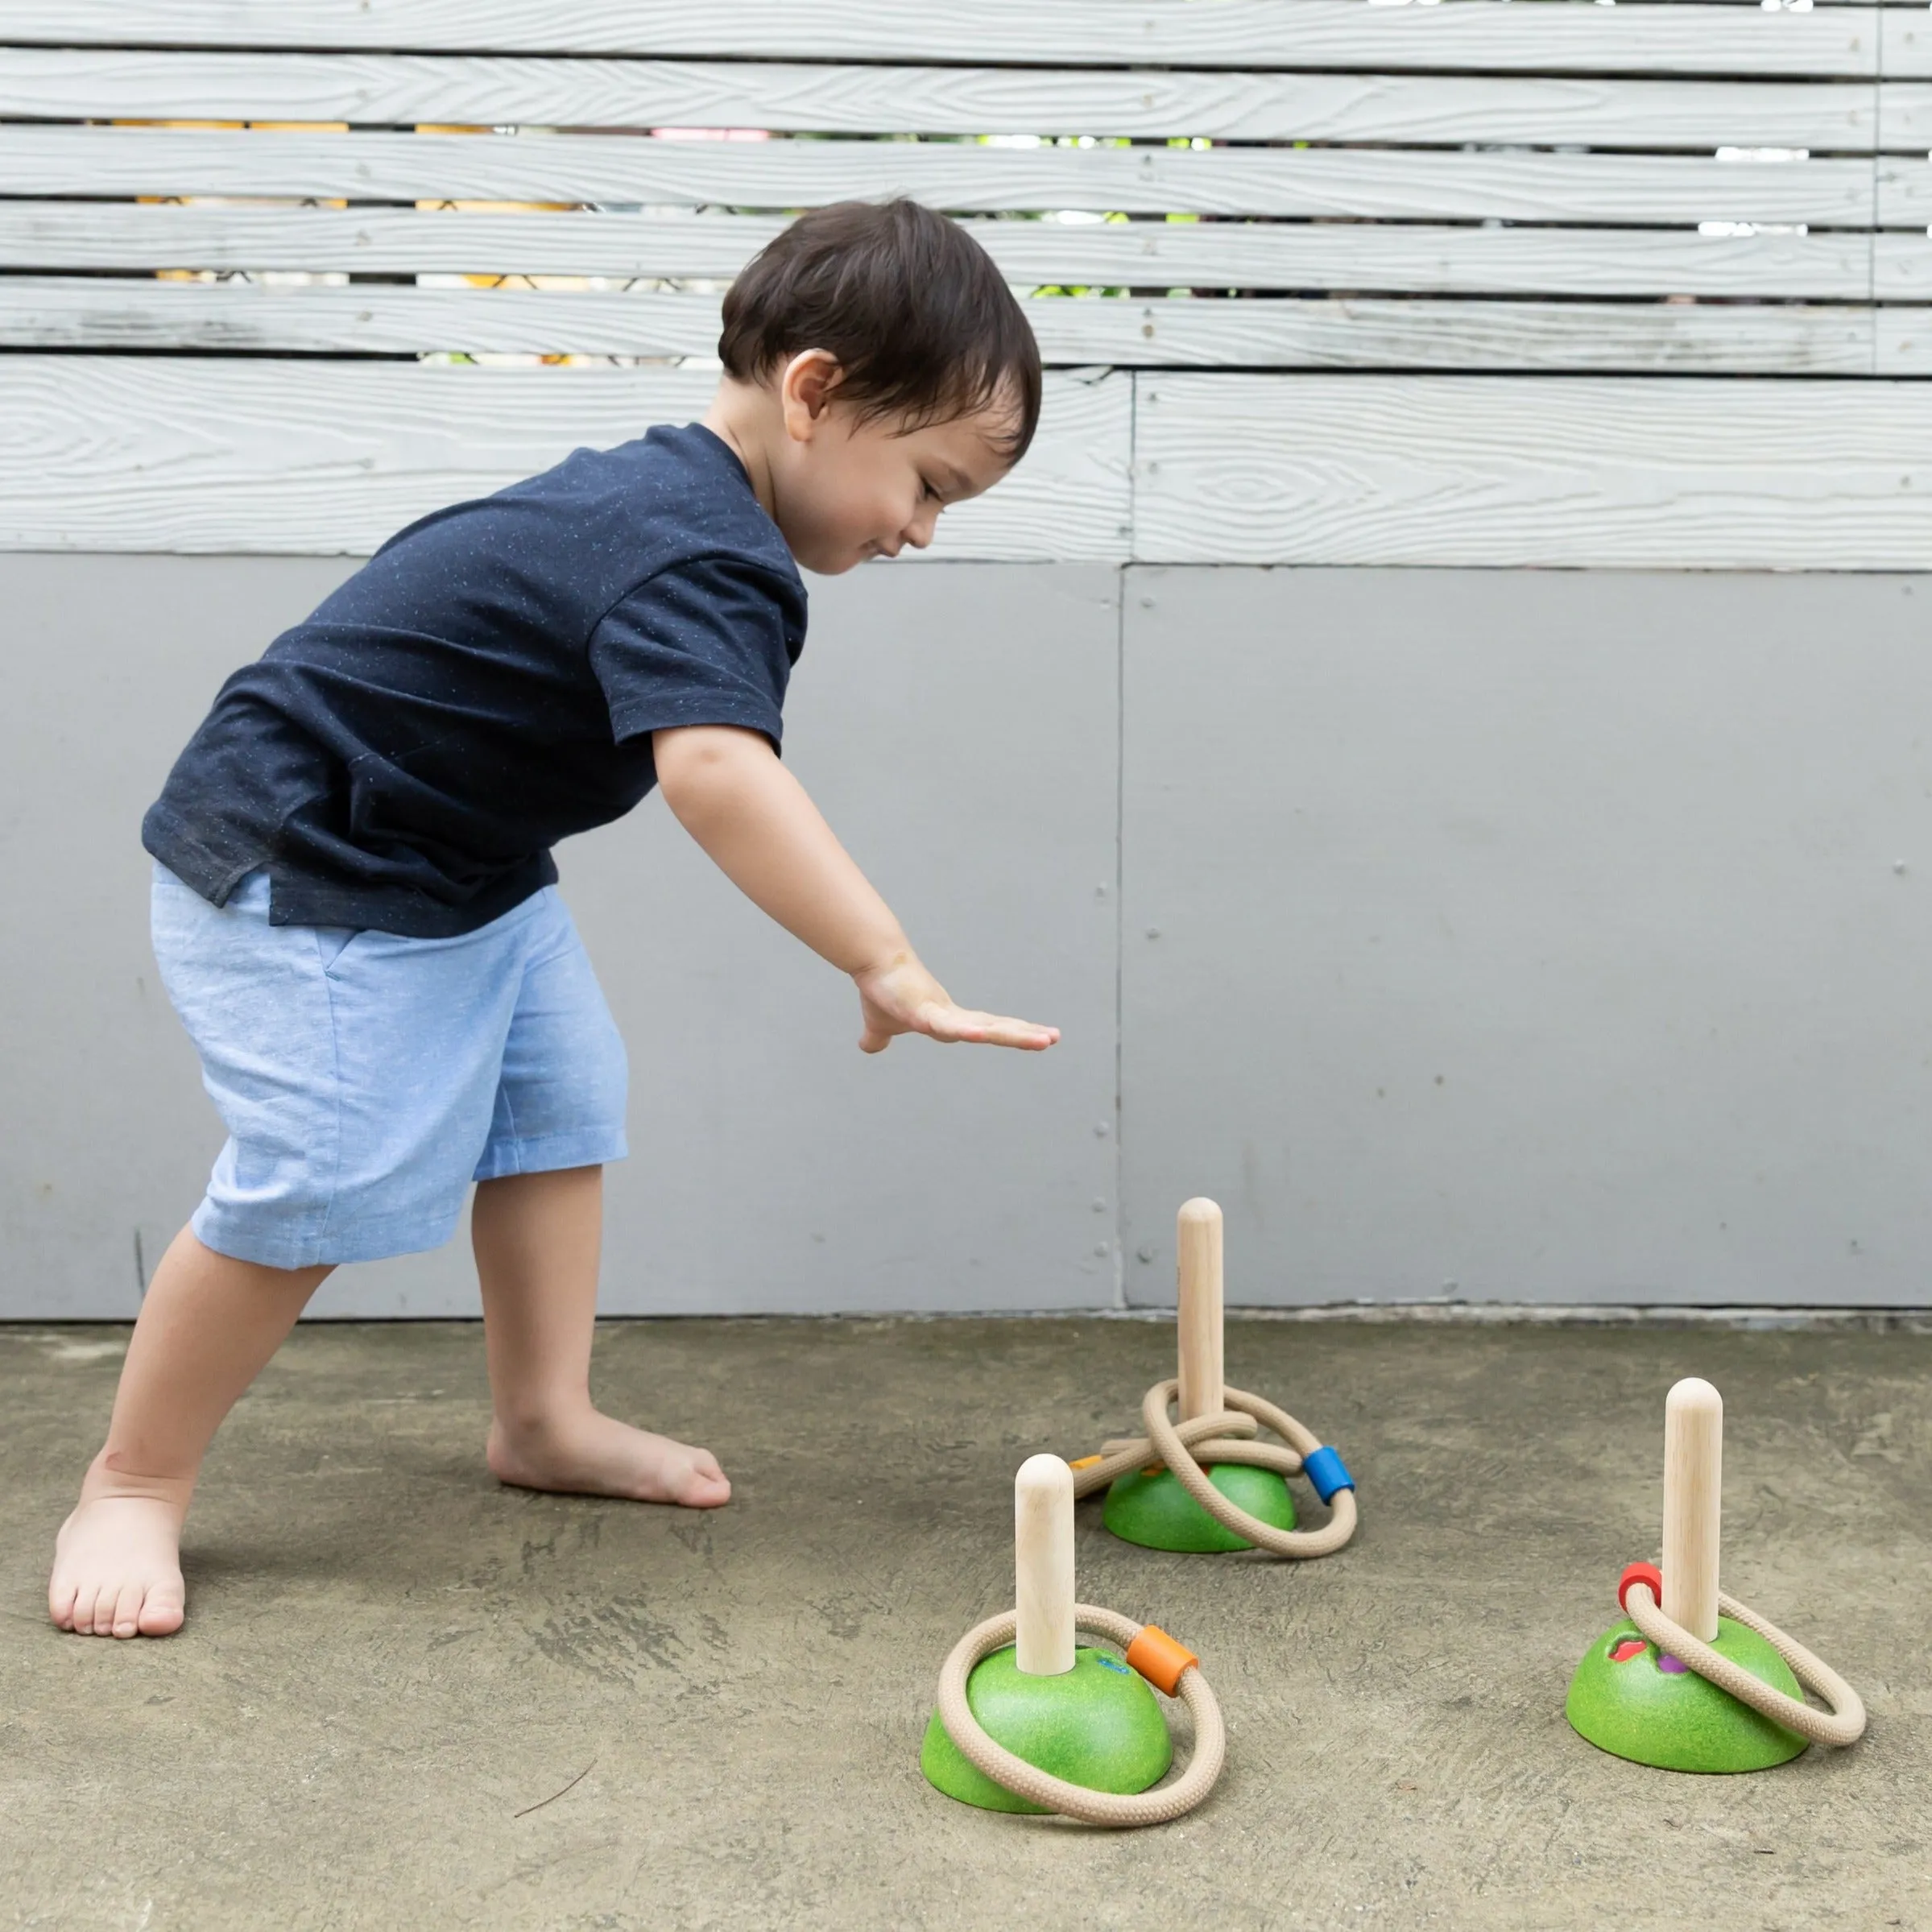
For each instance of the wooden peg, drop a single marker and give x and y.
(1043, 1566)
(1198, 1251)
(1694, 1459)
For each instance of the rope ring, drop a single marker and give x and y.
(1003, 1767)
(1225, 1438)
(1843, 1724)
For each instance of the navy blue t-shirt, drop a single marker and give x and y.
(485, 685)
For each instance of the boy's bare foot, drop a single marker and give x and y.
(594, 1454)
(118, 1567)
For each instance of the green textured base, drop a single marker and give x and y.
(1680, 1721)
(1157, 1513)
(1097, 1725)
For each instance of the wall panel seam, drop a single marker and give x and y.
(1121, 589)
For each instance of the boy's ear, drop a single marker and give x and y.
(804, 391)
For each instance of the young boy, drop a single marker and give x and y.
(354, 908)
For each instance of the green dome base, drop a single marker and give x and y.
(1677, 1720)
(1157, 1513)
(1097, 1725)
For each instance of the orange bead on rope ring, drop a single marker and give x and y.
(1030, 1720)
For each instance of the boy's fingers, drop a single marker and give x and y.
(951, 1025)
(991, 1029)
(1022, 1033)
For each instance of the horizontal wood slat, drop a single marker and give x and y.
(403, 89)
(55, 235)
(1585, 472)
(1582, 471)
(1659, 337)
(1395, 259)
(1469, 34)
(150, 453)
(60, 161)
(1364, 184)
(1414, 111)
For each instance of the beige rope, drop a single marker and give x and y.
(1224, 1438)
(1843, 1724)
(1156, 1807)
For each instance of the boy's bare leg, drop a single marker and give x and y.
(207, 1324)
(538, 1240)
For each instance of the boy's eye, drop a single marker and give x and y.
(927, 489)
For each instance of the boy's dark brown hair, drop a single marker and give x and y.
(920, 320)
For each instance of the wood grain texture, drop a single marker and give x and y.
(403, 89)
(1905, 43)
(1371, 184)
(1905, 117)
(1902, 341)
(58, 158)
(1578, 472)
(1902, 267)
(157, 454)
(1904, 192)
(50, 235)
(1677, 38)
(1390, 258)
(97, 313)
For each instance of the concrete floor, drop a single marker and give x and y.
(389, 1657)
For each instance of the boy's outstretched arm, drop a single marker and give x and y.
(728, 790)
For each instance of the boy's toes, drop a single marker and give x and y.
(128, 1607)
(120, 1610)
(706, 1486)
(162, 1611)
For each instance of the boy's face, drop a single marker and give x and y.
(847, 491)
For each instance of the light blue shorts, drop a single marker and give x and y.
(365, 1079)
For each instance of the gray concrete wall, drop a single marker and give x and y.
(1530, 936)
(1540, 934)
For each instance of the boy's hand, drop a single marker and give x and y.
(903, 997)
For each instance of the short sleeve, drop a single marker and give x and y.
(708, 641)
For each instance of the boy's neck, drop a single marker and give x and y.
(748, 419)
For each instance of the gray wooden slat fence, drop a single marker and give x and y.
(1665, 35)
(1342, 227)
